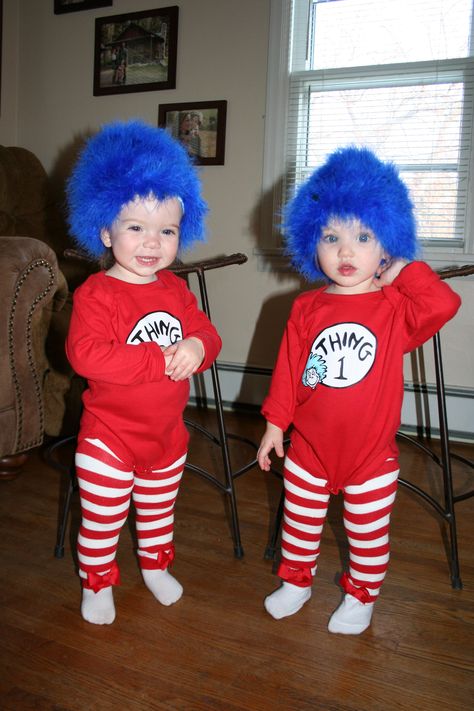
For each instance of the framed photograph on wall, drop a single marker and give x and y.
(61, 6)
(199, 126)
(136, 52)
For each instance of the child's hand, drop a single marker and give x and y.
(168, 358)
(272, 439)
(183, 358)
(389, 272)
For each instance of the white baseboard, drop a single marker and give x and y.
(420, 410)
(244, 387)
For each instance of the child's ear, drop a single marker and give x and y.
(105, 237)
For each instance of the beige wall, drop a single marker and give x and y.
(10, 74)
(47, 106)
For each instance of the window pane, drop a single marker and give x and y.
(349, 33)
(419, 127)
(418, 124)
(439, 216)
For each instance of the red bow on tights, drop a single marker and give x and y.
(163, 559)
(296, 576)
(362, 594)
(97, 582)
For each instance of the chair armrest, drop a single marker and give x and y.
(31, 287)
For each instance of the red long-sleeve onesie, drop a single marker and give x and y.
(114, 337)
(346, 424)
(339, 380)
(132, 439)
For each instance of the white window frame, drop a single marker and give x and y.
(275, 145)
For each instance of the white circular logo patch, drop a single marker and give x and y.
(159, 326)
(343, 353)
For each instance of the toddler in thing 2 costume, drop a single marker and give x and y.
(137, 336)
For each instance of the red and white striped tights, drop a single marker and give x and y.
(106, 487)
(367, 509)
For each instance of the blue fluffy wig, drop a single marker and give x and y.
(123, 161)
(352, 183)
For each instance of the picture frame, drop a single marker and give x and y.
(62, 6)
(200, 126)
(136, 51)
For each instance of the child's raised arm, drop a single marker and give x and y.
(390, 272)
(428, 302)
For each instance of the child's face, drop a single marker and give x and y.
(349, 254)
(144, 239)
(187, 123)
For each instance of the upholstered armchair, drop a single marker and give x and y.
(32, 289)
(35, 289)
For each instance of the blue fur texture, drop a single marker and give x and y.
(352, 183)
(125, 160)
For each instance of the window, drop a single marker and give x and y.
(394, 75)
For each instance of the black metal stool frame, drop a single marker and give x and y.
(445, 510)
(199, 268)
(222, 440)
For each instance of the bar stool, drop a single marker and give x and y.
(446, 509)
(225, 484)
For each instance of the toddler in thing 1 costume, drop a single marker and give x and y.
(339, 374)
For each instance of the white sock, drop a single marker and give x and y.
(286, 600)
(352, 616)
(164, 587)
(98, 607)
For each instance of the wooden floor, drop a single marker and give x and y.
(217, 648)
